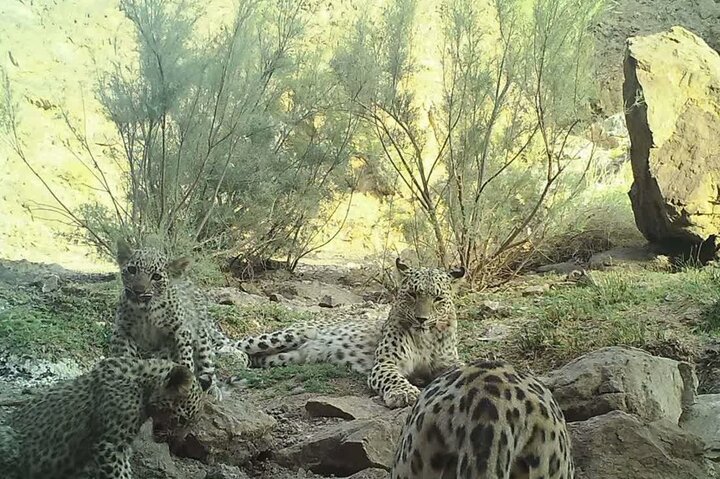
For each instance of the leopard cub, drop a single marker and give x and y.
(87, 425)
(162, 315)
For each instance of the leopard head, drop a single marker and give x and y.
(146, 273)
(175, 404)
(425, 296)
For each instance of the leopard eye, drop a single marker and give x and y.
(131, 269)
(156, 277)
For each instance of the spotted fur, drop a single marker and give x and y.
(87, 424)
(160, 314)
(419, 338)
(488, 421)
(415, 343)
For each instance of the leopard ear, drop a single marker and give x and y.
(123, 252)
(179, 378)
(402, 267)
(178, 266)
(457, 273)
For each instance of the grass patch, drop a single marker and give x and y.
(644, 309)
(254, 318)
(72, 321)
(313, 378)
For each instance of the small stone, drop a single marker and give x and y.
(535, 290)
(50, 284)
(276, 297)
(327, 301)
(250, 288)
(372, 473)
(223, 471)
(558, 268)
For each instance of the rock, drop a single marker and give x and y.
(377, 296)
(373, 473)
(618, 445)
(232, 431)
(345, 407)
(624, 256)
(50, 284)
(276, 297)
(703, 420)
(223, 471)
(580, 277)
(625, 379)
(327, 301)
(31, 372)
(615, 126)
(318, 292)
(251, 289)
(558, 268)
(233, 296)
(152, 460)
(535, 290)
(489, 308)
(670, 92)
(346, 448)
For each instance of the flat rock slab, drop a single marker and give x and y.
(345, 407)
(349, 447)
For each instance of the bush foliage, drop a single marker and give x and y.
(240, 141)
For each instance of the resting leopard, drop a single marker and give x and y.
(416, 343)
(485, 420)
(160, 314)
(86, 425)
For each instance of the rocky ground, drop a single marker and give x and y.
(632, 414)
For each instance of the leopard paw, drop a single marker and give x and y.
(401, 397)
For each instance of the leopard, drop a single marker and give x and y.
(398, 354)
(162, 314)
(85, 426)
(486, 420)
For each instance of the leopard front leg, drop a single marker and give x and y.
(184, 352)
(387, 378)
(394, 389)
(205, 360)
(122, 344)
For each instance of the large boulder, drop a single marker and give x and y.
(672, 110)
(618, 445)
(232, 432)
(625, 379)
(703, 420)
